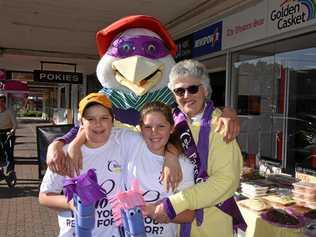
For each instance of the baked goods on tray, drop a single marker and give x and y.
(256, 204)
(282, 200)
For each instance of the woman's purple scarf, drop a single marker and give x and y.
(198, 155)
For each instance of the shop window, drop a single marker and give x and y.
(249, 104)
(218, 83)
(273, 88)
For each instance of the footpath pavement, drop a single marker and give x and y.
(20, 213)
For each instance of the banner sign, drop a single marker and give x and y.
(265, 19)
(205, 41)
(58, 77)
(246, 26)
(286, 15)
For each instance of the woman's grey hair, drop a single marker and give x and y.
(190, 68)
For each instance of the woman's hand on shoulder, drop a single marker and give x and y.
(228, 124)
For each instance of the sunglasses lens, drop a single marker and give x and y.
(193, 89)
(179, 91)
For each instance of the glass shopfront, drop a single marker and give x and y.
(217, 75)
(274, 92)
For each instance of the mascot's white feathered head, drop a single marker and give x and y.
(136, 58)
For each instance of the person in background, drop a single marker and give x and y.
(218, 164)
(8, 126)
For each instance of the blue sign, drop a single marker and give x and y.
(184, 47)
(207, 40)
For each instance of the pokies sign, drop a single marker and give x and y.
(57, 77)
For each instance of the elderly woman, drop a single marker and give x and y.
(218, 164)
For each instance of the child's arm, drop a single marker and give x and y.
(55, 201)
(50, 194)
(58, 162)
(74, 151)
(171, 174)
(55, 157)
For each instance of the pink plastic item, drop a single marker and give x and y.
(126, 200)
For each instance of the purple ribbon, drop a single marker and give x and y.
(229, 206)
(85, 186)
(204, 137)
(198, 155)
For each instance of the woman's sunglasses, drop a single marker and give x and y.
(191, 89)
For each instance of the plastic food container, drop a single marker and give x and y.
(304, 203)
(311, 205)
(310, 197)
(299, 202)
(302, 187)
(298, 195)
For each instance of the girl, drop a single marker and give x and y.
(146, 161)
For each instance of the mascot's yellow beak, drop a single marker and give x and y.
(138, 73)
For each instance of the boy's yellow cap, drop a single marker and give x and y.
(94, 98)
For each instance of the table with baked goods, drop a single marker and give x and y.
(271, 210)
(258, 227)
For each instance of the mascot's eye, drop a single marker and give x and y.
(131, 212)
(137, 209)
(151, 48)
(125, 48)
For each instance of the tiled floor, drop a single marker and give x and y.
(20, 213)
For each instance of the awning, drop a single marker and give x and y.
(14, 85)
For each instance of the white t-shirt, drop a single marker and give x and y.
(146, 167)
(109, 161)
